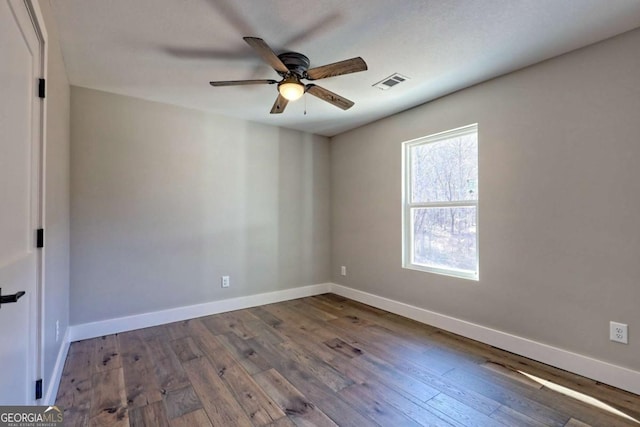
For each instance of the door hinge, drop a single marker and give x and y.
(39, 389)
(40, 238)
(41, 88)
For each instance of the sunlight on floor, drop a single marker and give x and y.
(579, 396)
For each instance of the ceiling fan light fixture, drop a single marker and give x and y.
(293, 67)
(291, 88)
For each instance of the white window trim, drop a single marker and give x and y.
(407, 205)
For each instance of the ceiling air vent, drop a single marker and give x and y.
(390, 81)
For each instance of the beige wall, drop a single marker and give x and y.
(166, 200)
(56, 252)
(559, 202)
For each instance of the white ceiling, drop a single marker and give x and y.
(168, 50)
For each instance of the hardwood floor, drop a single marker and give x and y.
(318, 361)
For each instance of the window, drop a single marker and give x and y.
(440, 203)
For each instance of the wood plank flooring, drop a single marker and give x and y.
(318, 361)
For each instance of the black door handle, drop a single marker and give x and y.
(6, 299)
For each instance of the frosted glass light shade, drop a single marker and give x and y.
(291, 89)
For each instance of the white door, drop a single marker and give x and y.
(20, 207)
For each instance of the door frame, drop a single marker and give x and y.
(37, 310)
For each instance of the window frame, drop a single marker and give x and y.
(408, 205)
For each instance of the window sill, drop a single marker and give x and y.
(469, 275)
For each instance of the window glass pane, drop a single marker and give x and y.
(446, 170)
(445, 237)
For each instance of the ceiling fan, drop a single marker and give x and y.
(294, 67)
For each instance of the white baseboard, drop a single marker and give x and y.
(145, 320)
(598, 370)
(56, 375)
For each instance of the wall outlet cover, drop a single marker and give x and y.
(619, 332)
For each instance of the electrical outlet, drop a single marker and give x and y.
(343, 270)
(57, 330)
(225, 281)
(619, 332)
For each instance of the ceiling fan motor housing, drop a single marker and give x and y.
(297, 63)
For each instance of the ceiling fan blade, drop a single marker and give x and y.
(266, 53)
(242, 82)
(227, 10)
(330, 97)
(279, 105)
(347, 66)
(308, 33)
(205, 53)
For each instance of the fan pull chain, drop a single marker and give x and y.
(305, 104)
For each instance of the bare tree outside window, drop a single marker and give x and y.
(441, 198)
